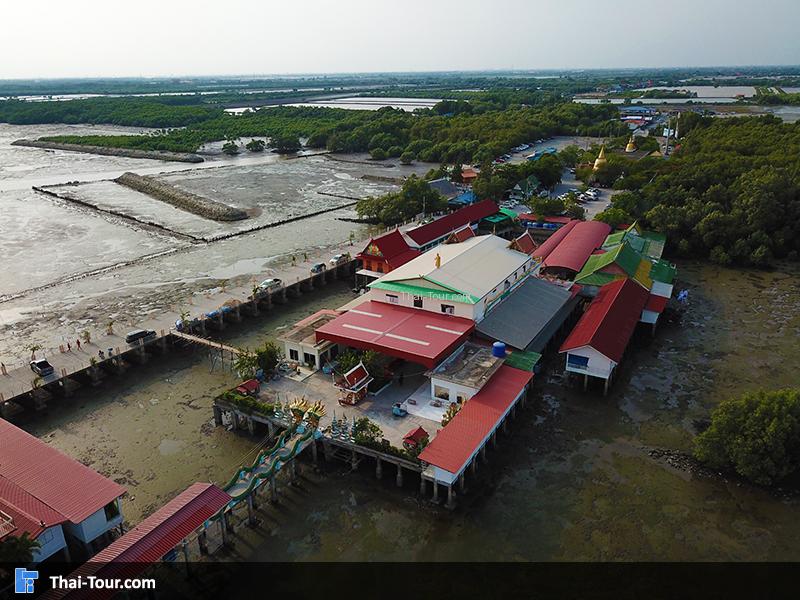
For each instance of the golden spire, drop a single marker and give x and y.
(631, 147)
(600, 161)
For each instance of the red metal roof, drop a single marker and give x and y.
(356, 375)
(150, 540)
(554, 240)
(62, 483)
(434, 230)
(249, 386)
(417, 435)
(463, 436)
(525, 243)
(577, 245)
(461, 235)
(391, 247)
(419, 336)
(656, 303)
(26, 511)
(551, 219)
(609, 322)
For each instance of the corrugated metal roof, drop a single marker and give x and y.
(577, 245)
(150, 540)
(609, 322)
(27, 512)
(554, 240)
(391, 247)
(425, 234)
(62, 483)
(463, 436)
(521, 316)
(473, 268)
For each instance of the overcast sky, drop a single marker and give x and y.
(78, 38)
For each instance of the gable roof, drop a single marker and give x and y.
(445, 187)
(609, 322)
(544, 250)
(577, 245)
(461, 235)
(391, 247)
(472, 268)
(26, 512)
(629, 261)
(63, 484)
(149, 541)
(524, 243)
(425, 234)
(469, 429)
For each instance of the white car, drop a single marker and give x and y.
(270, 284)
(339, 259)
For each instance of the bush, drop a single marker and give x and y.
(230, 148)
(407, 158)
(757, 435)
(378, 154)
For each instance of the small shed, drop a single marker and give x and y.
(414, 438)
(353, 385)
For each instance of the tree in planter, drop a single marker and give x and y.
(756, 434)
(184, 319)
(86, 336)
(451, 412)
(18, 550)
(365, 431)
(34, 348)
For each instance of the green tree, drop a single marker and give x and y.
(407, 157)
(230, 148)
(18, 550)
(256, 145)
(246, 363)
(378, 154)
(286, 143)
(756, 434)
(268, 356)
(614, 217)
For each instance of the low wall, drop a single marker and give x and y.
(106, 151)
(204, 207)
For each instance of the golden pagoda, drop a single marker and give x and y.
(600, 161)
(631, 147)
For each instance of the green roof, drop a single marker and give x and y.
(524, 361)
(648, 243)
(598, 279)
(418, 290)
(499, 217)
(663, 271)
(622, 255)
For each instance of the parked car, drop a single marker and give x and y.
(272, 283)
(134, 336)
(318, 268)
(41, 367)
(339, 259)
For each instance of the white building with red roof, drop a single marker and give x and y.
(52, 497)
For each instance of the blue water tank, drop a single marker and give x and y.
(499, 350)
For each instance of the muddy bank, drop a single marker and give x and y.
(204, 207)
(126, 152)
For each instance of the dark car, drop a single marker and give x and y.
(318, 268)
(41, 367)
(139, 334)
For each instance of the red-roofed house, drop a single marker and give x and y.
(573, 250)
(543, 251)
(354, 384)
(458, 443)
(148, 542)
(385, 253)
(434, 233)
(461, 235)
(51, 496)
(468, 175)
(596, 344)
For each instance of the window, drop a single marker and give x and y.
(309, 359)
(506, 285)
(417, 301)
(441, 392)
(392, 299)
(45, 537)
(577, 362)
(460, 399)
(112, 510)
(448, 309)
(293, 355)
(380, 268)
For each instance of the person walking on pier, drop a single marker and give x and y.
(69, 348)
(101, 354)
(78, 343)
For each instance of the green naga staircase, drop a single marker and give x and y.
(301, 433)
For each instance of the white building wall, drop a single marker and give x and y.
(598, 365)
(649, 316)
(454, 389)
(94, 525)
(52, 541)
(461, 309)
(661, 289)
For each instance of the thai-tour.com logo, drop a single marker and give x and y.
(24, 582)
